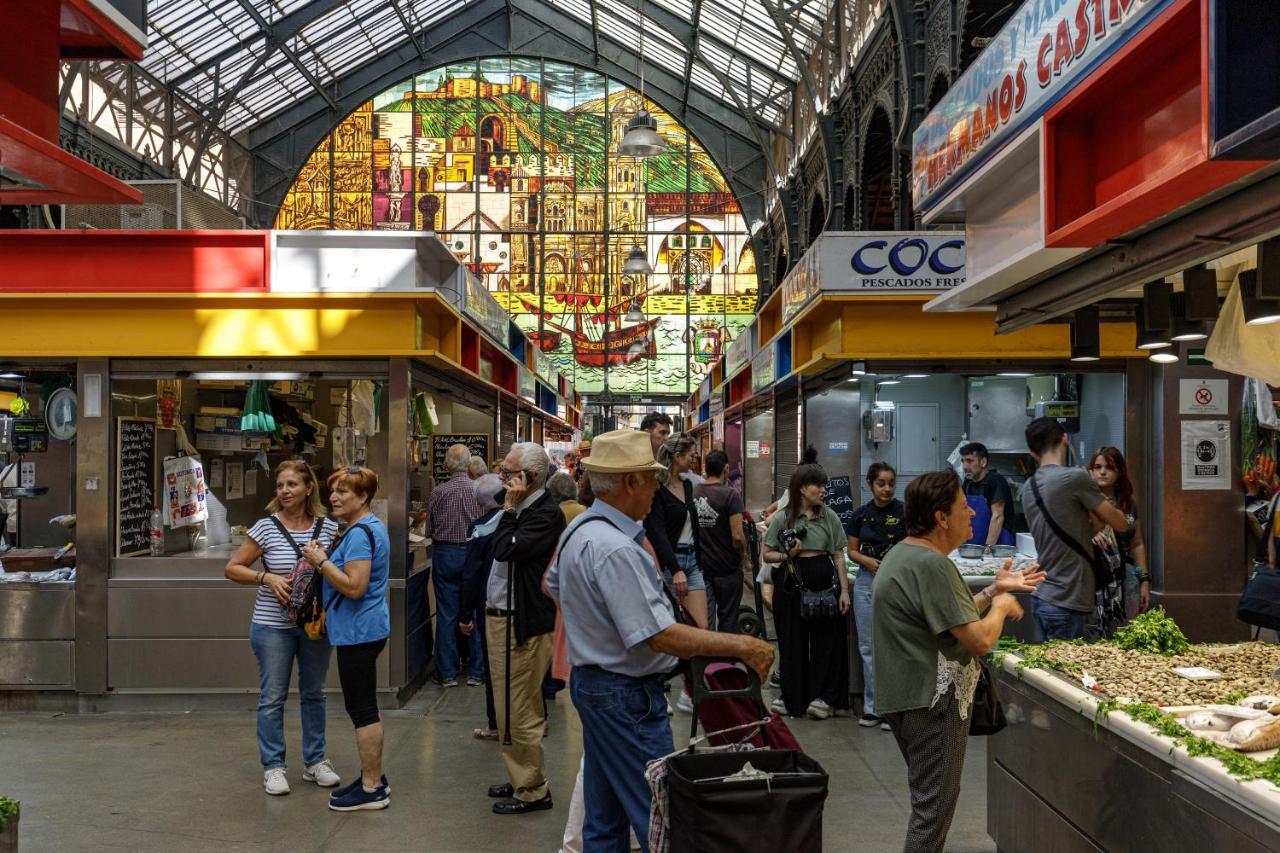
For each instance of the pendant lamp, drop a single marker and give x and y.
(641, 137)
(1259, 310)
(1185, 328)
(633, 314)
(637, 263)
(1085, 335)
(1163, 357)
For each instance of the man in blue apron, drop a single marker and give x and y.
(989, 496)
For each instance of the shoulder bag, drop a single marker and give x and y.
(1260, 602)
(986, 717)
(1108, 586)
(304, 584)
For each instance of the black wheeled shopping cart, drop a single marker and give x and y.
(736, 797)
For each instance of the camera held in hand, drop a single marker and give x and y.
(791, 537)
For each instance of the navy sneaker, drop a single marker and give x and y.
(351, 786)
(358, 799)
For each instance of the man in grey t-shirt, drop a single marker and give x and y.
(1063, 604)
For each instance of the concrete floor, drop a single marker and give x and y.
(192, 782)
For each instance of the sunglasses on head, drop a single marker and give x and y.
(354, 469)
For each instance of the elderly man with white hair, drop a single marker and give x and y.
(451, 510)
(519, 621)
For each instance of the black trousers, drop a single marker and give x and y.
(726, 599)
(358, 674)
(813, 655)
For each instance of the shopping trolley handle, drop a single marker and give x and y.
(701, 690)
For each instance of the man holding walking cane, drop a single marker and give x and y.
(519, 624)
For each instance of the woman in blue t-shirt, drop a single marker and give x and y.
(358, 621)
(875, 527)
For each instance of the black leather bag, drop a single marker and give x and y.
(818, 606)
(986, 717)
(1260, 602)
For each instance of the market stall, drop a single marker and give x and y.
(1141, 758)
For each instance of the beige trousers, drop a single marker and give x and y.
(529, 664)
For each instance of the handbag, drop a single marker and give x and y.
(1260, 602)
(816, 605)
(1108, 594)
(986, 717)
(304, 584)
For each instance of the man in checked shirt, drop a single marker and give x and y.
(450, 511)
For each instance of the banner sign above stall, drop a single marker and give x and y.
(1037, 57)
(762, 367)
(488, 313)
(738, 353)
(801, 283)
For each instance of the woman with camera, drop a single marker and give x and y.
(810, 598)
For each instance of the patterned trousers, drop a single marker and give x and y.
(932, 741)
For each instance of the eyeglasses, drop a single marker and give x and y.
(508, 472)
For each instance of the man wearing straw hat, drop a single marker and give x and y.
(624, 639)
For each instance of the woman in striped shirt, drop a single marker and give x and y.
(297, 517)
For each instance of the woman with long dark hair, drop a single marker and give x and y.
(876, 526)
(672, 527)
(807, 542)
(1110, 471)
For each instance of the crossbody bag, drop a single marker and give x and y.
(304, 583)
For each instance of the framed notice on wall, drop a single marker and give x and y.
(1206, 455)
(135, 484)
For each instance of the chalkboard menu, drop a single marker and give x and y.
(840, 499)
(476, 442)
(135, 484)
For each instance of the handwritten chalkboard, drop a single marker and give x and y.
(840, 499)
(476, 442)
(135, 484)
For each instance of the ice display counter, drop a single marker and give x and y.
(1064, 777)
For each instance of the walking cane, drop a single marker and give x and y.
(506, 720)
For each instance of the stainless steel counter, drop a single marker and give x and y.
(1062, 777)
(37, 635)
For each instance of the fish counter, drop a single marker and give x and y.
(1077, 769)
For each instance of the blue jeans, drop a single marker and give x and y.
(276, 649)
(862, 619)
(624, 726)
(1058, 623)
(447, 562)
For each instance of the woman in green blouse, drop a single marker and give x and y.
(807, 542)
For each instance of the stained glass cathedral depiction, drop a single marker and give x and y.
(514, 163)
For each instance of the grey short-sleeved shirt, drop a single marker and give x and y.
(610, 594)
(1069, 495)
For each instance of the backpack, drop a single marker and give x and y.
(304, 584)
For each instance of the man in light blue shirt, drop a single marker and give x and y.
(623, 638)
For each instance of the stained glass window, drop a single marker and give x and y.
(514, 163)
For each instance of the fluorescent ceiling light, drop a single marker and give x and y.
(889, 382)
(915, 376)
(233, 376)
(1015, 375)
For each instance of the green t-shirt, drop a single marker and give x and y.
(824, 533)
(917, 598)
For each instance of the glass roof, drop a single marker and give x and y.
(245, 60)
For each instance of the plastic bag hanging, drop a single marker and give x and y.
(257, 415)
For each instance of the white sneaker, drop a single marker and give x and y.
(818, 710)
(778, 706)
(322, 774)
(274, 782)
(684, 703)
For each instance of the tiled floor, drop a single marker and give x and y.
(191, 782)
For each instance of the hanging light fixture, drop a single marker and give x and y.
(1200, 284)
(1185, 328)
(1163, 357)
(641, 138)
(633, 314)
(637, 263)
(1084, 334)
(1260, 288)
(1154, 316)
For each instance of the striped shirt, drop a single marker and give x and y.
(452, 509)
(279, 558)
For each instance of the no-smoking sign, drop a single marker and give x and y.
(1202, 397)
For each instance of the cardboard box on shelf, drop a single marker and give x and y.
(217, 441)
(218, 423)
